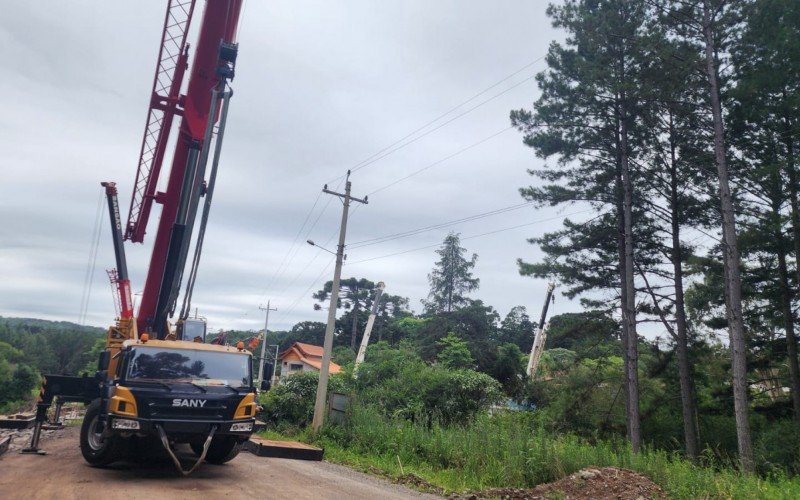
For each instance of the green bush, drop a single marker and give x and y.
(17, 380)
(778, 447)
(402, 385)
(291, 402)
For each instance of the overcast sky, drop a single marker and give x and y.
(320, 87)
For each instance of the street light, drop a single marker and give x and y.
(311, 242)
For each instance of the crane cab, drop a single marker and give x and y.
(192, 329)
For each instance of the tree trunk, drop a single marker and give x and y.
(788, 324)
(786, 295)
(623, 283)
(629, 309)
(791, 342)
(791, 173)
(730, 255)
(684, 365)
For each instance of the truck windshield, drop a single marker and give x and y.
(207, 368)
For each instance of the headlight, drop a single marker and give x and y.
(241, 427)
(124, 423)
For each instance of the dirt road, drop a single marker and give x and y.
(63, 474)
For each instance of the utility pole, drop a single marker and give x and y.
(264, 345)
(541, 334)
(368, 330)
(322, 388)
(275, 367)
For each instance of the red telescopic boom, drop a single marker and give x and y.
(212, 65)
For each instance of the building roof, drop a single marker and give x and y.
(310, 355)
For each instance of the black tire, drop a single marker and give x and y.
(221, 450)
(98, 452)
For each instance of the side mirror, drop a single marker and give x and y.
(105, 359)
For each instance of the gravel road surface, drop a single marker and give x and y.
(63, 474)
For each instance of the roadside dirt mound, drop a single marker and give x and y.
(608, 482)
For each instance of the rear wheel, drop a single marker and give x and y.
(222, 449)
(96, 450)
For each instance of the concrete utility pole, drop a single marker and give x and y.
(541, 334)
(275, 367)
(362, 350)
(264, 345)
(322, 388)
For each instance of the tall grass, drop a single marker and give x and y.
(511, 450)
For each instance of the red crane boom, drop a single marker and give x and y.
(212, 65)
(164, 105)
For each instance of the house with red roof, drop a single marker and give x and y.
(302, 357)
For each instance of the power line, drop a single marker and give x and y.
(413, 232)
(437, 162)
(90, 265)
(287, 259)
(305, 292)
(372, 158)
(296, 245)
(401, 146)
(482, 234)
(294, 242)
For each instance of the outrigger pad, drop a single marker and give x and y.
(283, 449)
(32, 451)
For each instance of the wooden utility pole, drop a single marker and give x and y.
(322, 387)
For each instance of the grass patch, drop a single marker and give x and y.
(512, 450)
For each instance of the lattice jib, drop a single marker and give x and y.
(173, 44)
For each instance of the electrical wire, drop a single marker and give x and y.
(395, 146)
(305, 292)
(481, 235)
(414, 232)
(374, 157)
(91, 264)
(401, 146)
(437, 162)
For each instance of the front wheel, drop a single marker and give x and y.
(96, 450)
(221, 450)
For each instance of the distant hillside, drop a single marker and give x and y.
(56, 347)
(35, 325)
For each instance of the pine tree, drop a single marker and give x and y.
(675, 179)
(451, 279)
(354, 294)
(767, 81)
(588, 118)
(710, 24)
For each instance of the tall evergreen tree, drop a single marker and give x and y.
(588, 117)
(711, 23)
(767, 80)
(451, 279)
(355, 294)
(675, 179)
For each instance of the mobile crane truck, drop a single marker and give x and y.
(157, 385)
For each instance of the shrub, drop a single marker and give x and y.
(778, 447)
(292, 401)
(400, 384)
